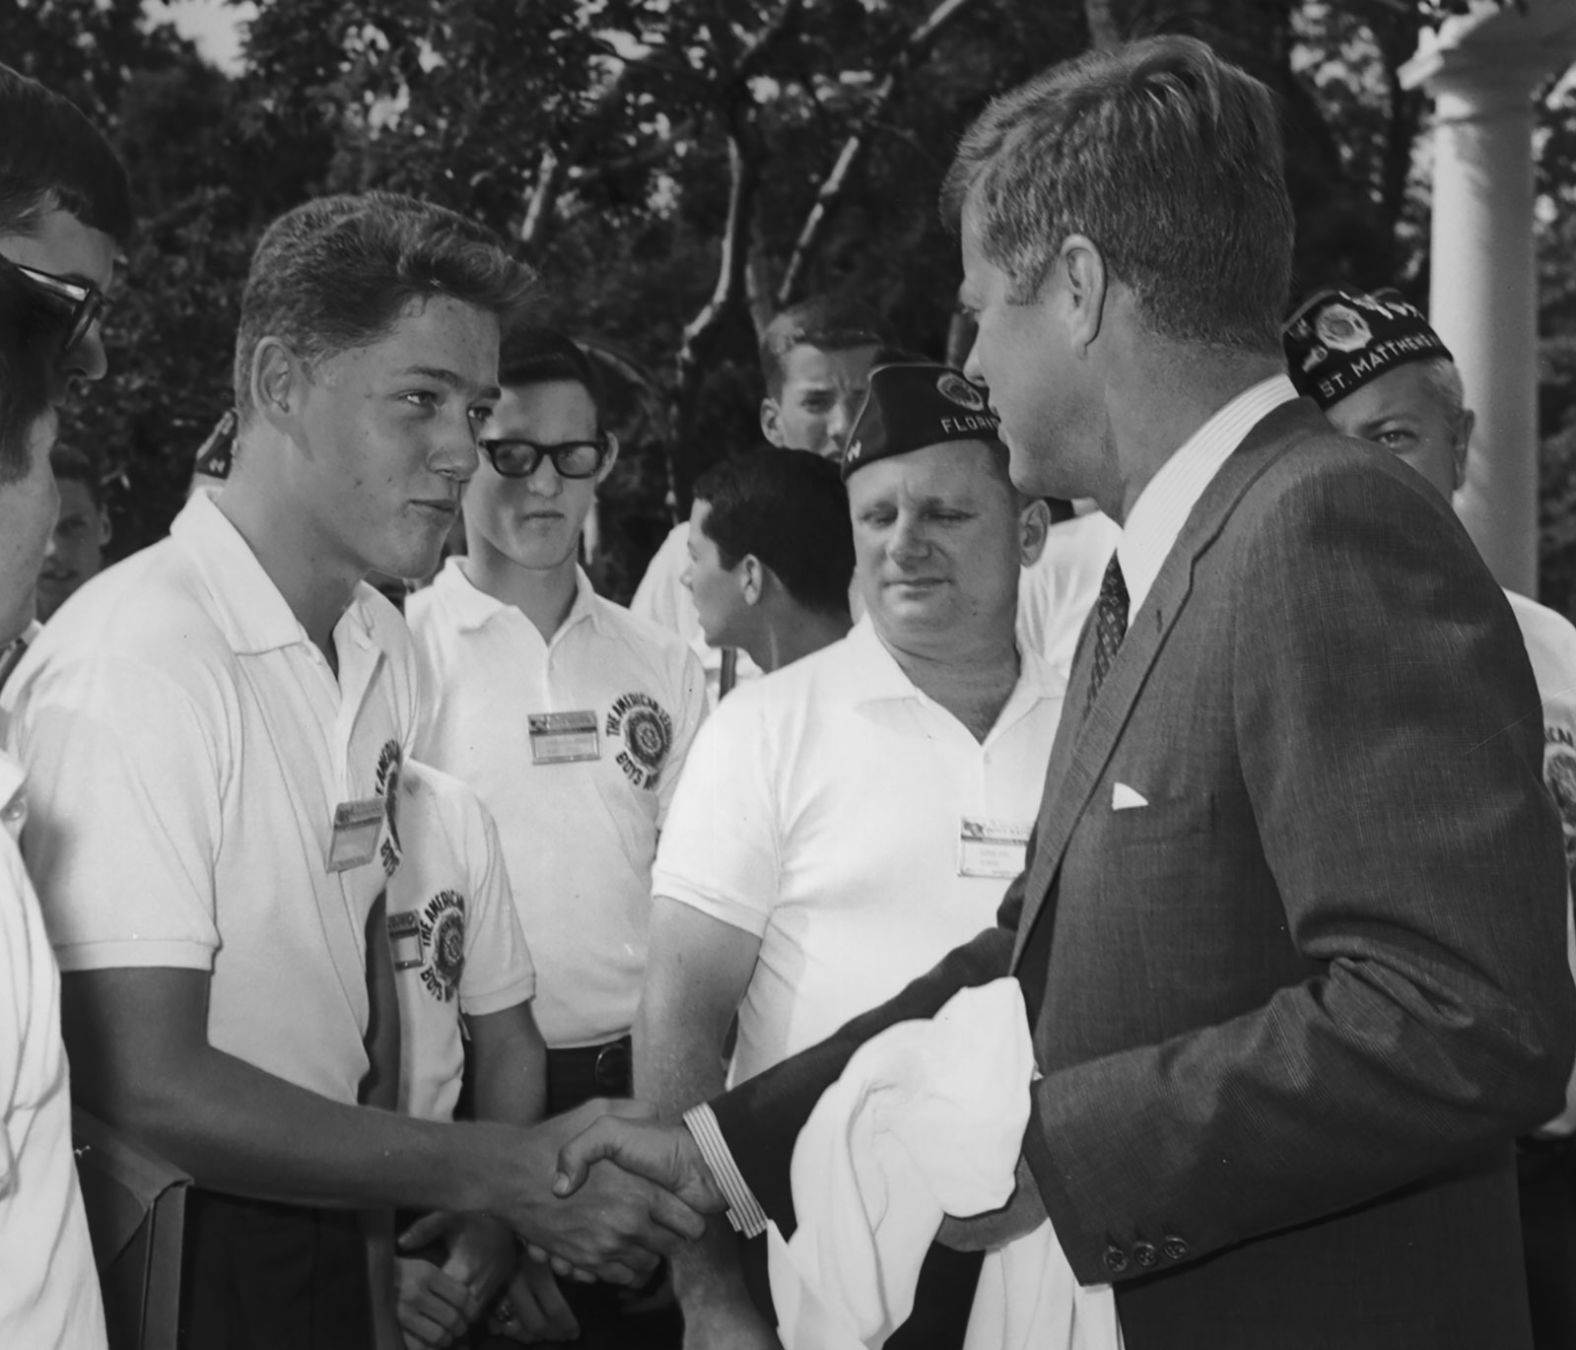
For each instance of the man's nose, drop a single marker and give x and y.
(88, 359)
(907, 540)
(971, 365)
(455, 455)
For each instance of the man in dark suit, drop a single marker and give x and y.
(1290, 932)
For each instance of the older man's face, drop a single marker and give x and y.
(936, 542)
(1404, 411)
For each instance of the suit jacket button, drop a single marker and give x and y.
(1115, 1259)
(1175, 1248)
(1145, 1255)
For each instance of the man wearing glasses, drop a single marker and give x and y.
(64, 207)
(571, 718)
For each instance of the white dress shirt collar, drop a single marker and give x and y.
(1165, 503)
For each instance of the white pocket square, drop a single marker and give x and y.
(1124, 798)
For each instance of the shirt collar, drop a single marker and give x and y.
(1165, 503)
(472, 608)
(253, 614)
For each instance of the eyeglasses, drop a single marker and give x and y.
(80, 304)
(571, 459)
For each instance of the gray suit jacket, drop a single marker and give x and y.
(1291, 1013)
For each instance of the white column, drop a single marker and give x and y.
(1483, 302)
(1481, 70)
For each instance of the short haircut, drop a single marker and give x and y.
(32, 335)
(337, 273)
(533, 354)
(829, 322)
(789, 509)
(1168, 158)
(1444, 383)
(76, 466)
(53, 158)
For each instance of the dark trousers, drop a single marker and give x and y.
(260, 1276)
(1546, 1178)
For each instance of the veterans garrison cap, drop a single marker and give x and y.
(1339, 340)
(914, 404)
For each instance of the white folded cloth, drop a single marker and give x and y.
(926, 1120)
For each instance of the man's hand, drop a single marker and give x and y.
(434, 1308)
(612, 1223)
(666, 1155)
(534, 1308)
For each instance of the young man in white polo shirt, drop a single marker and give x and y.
(569, 716)
(49, 1293)
(815, 362)
(848, 820)
(222, 720)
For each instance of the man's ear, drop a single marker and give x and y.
(278, 384)
(1033, 521)
(1083, 273)
(106, 530)
(772, 422)
(751, 573)
(610, 461)
(1464, 428)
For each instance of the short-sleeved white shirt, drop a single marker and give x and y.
(49, 1294)
(822, 808)
(664, 599)
(579, 834)
(1551, 649)
(1056, 593)
(189, 746)
(453, 934)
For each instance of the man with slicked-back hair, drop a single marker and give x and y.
(1291, 929)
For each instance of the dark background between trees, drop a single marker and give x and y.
(677, 170)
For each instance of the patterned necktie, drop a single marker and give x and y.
(1110, 626)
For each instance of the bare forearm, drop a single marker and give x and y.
(236, 1128)
(510, 1066)
(678, 1062)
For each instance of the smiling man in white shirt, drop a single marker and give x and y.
(848, 820)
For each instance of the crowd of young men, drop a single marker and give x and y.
(385, 929)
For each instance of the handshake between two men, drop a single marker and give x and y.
(625, 1191)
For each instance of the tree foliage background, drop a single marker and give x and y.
(676, 171)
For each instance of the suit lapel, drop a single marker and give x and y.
(1087, 735)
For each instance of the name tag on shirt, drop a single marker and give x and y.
(405, 940)
(357, 826)
(563, 737)
(992, 848)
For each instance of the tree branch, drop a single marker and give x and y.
(913, 51)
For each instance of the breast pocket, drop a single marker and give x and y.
(1159, 819)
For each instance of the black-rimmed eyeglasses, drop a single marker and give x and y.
(572, 459)
(78, 303)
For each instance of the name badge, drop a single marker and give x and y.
(563, 737)
(357, 826)
(405, 940)
(992, 848)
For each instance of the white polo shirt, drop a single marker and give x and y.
(1551, 649)
(1056, 593)
(190, 749)
(824, 809)
(574, 745)
(662, 598)
(453, 934)
(49, 1293)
